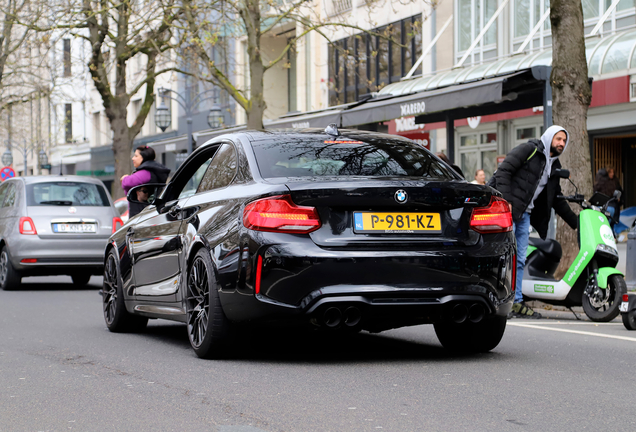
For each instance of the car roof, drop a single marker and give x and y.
(59, 178)
(318, 133)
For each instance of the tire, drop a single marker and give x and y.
(208, 327)
(80, 280)
(629, 318)
(603, 306)
(10, 279)
(471, 337)
(118, 319)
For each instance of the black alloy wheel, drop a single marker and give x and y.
(601, 305)
(471, 337)
(208, 326)
(118, 319)
(10, 279)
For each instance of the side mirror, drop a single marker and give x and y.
(146, 194)
(563, 173)
(617, 195)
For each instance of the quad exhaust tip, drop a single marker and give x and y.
(473, 313)
(334, 317)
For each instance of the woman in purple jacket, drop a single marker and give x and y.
(146, 171)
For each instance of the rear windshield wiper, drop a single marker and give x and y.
(57, 202)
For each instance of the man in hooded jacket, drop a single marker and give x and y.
(526, 180)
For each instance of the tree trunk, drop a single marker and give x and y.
(571, 94)
(257, 101)
(122, 147)
(251, 15)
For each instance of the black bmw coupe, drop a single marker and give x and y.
(337, 230)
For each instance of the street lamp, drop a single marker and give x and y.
(7, 158)
(215, 119)
(44, 160)
(163, 118)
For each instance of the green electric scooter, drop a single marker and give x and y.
(592, 281)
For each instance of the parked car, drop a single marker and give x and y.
(54, 225)
(121, 204)
(339, 230)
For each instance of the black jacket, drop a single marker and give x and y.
(518, 178)
(158, 174)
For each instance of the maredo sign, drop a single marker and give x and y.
(407, 128)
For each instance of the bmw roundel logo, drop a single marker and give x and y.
(401, 196)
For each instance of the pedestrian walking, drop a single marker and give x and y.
(526, 180)
(146, 171)
(607, 183)
(480, 177)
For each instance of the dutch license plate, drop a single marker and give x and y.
(623, 307)
(402, 223)
(74, 228)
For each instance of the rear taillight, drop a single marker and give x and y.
(280, 214)
(625, 297)
(496, 218)
(29, 261)
(514, 272)
(117, 223)
(27, 227)
(259, 269)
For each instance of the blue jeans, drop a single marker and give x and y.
(522, 234)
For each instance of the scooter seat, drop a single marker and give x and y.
(550, 247)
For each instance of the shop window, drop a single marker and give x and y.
(471, 18)
(365, 63)
(632, 86)
(526, 133)
(478, 151)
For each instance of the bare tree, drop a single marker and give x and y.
(208, 22)
(571, 95)
(22, 54)
(117, 32)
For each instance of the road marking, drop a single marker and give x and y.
(556, 322)
(574, 331)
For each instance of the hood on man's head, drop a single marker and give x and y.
(549, 134)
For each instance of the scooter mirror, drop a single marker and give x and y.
(617, 194)
(563, 173)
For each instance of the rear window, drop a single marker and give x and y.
(301, 157)
(67, 193)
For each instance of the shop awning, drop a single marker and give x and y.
(520, 88)
(306, 120)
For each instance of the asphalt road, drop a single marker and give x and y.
(61, 369)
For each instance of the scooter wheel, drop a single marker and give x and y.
(605, 309)
(629, 318)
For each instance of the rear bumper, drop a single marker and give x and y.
(389, 288)
(58, 256)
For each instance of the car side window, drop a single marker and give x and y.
(221, 171)
(188, 178)
(9, 198)
(3, 192)
(193, 182)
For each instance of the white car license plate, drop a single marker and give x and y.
(74, 228)
(623, 307)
